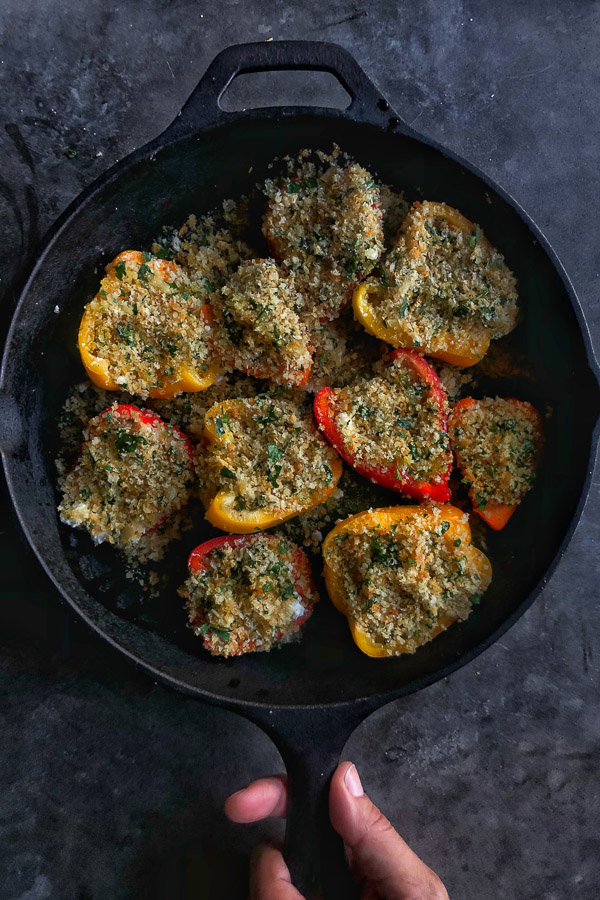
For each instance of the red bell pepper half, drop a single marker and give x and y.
(126, 413)
(393, 476)
(302, 578)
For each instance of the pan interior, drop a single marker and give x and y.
(195, 175)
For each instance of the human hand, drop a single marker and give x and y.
(381, 861)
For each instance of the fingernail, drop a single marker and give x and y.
(352, 782)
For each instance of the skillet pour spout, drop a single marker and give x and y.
(310, 695)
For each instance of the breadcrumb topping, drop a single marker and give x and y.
(146, 323)
(188, 411)
(342, 352)
(497, 445)
(251, 595)
(257, 327)
(267, 454)
(393, 419)
(444, 277)
(207, 248)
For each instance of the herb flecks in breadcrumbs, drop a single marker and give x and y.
(324, 223)
(249, 596)
(134, 471)
(267, 454)
(401, 583)
(443, 278)
(257, 329)
(146, 324)
(497, 443)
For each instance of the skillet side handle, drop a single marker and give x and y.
(310, 742)
(202, 109)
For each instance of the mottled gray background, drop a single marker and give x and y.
(111, 786)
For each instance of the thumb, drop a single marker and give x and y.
(376, 851)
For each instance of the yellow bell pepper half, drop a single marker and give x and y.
(97, 369)
(221, 510)
(384, 520)
(458, 350)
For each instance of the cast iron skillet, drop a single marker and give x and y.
(308, 697)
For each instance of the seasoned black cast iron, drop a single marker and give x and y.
(308, 697)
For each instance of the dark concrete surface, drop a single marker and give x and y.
(111, 787)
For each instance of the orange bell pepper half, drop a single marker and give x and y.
(394, 476)
(494, 514)
(97, 368)
(221, 510)
(457, 349)
(457, 533)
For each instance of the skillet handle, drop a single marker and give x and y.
(202, 109)
(310, 742)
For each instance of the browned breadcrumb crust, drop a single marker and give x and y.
(400, 583)
(392, 418)
(324, 223)
(496, 444)
(147, 324)
(129, 478)
(250, 597)
(268, 455)
(440, 279)
(257, 329)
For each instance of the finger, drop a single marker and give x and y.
(261, 799)
(269, 876)
(376, 850)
